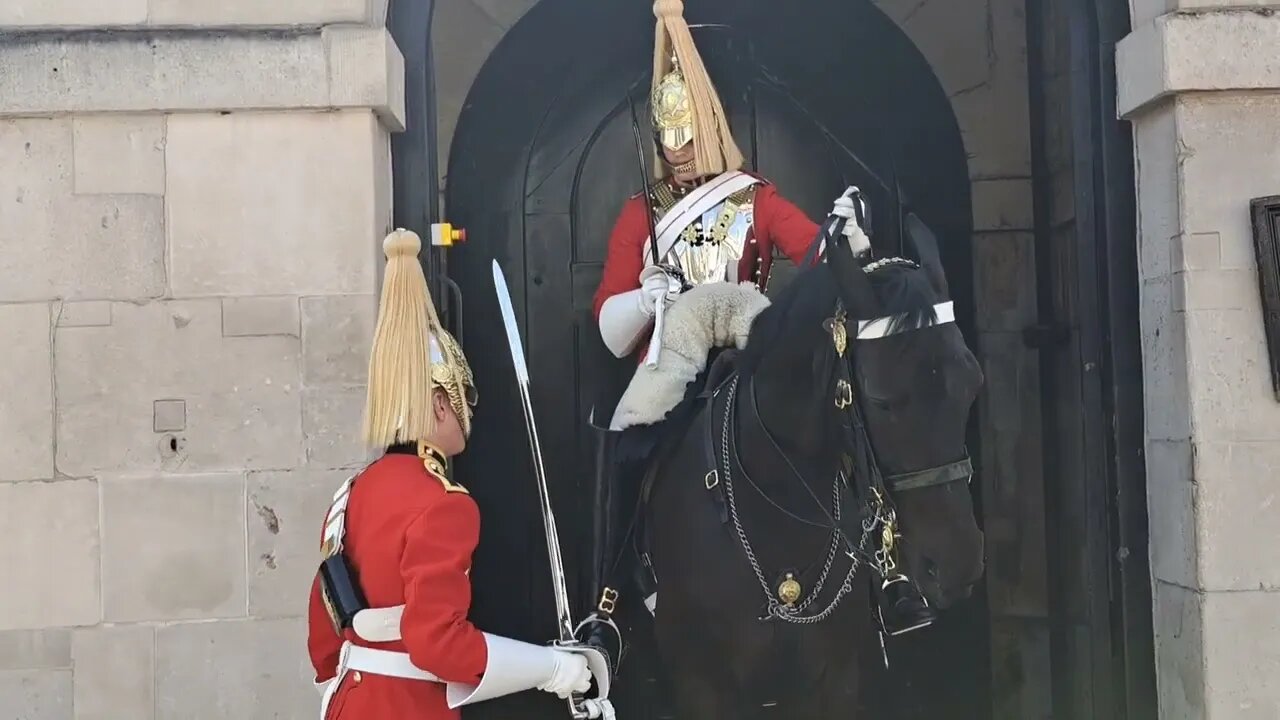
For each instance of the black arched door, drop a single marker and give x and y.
(544, 159)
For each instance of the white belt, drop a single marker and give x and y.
(378, 662)
(382, 662)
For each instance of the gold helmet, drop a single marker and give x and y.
(412, 355)
(683, 101)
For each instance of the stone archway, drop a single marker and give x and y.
(986, 97)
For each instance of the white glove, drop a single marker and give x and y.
(570, 676)
(656, 285)
(849, 206)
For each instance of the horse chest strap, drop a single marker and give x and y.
(712, 479)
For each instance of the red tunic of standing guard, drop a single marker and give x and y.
(388, 633)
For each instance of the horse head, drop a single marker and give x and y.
(915, 381)
(868, 362)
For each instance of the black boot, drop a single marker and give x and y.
(901, 607)
(609, 569)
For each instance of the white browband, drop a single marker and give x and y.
(880, 327)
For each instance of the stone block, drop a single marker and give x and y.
(1171, 507)
(91, 313)
(1217, 290)
(1180, 653)
(1003, 204)
(955, 38)
(366, 70)
(234, 669)
(117, 154)
(51, 553)
(1198, 251)
(26, 393)
(1004, 274)
(251, 195)
(145, 73)
(35, 649)
(331, 422)
(32, 14)
(173, 547)
(1237, 501)
(462, 37)
(1229, 152)
(36, 694)
(114, 672)
(1164, 357)
(62, 245)
(259, 316)
(1159, 197)
(1230, 378)
(1183, 52)
(187, 13)
(242, 394)
(995, 128)
(337, 332)
(285, 514)
(1241, 655)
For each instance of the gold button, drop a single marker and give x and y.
(357, 677)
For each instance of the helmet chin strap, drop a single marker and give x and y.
(686, 167)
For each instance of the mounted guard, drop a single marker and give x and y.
(701, 222)
(388, 634)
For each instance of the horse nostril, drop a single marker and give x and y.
(931, 569)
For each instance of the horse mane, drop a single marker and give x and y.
(904, 291)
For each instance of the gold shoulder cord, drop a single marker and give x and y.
(433, 460)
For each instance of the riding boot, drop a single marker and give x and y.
(608, 569)
(901, 607)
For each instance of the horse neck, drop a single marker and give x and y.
(804, 447)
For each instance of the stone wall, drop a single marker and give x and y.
(190, 210)
(1200, 87)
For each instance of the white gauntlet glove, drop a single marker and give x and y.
(571, 675)
(849, 206)
(656, 284)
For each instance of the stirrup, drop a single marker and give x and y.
(907, 608)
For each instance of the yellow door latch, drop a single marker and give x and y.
(445, 235)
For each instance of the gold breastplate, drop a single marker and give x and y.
(708, 250)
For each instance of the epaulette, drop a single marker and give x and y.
(450, 486)
(434, 463)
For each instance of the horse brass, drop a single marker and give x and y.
(789, 590)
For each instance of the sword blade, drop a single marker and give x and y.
(563, 621)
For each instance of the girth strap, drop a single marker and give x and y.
(940, 475)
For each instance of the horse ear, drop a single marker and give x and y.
(855, 288)
(925, 243)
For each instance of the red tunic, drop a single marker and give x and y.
(410, 540)
(776, 222)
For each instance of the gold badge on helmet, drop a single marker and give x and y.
(672, 110)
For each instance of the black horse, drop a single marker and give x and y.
(848, 403)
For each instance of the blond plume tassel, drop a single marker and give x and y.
(398, 407)
(715, 151)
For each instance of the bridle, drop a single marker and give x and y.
(872, 489)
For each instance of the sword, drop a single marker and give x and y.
(579, 708)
